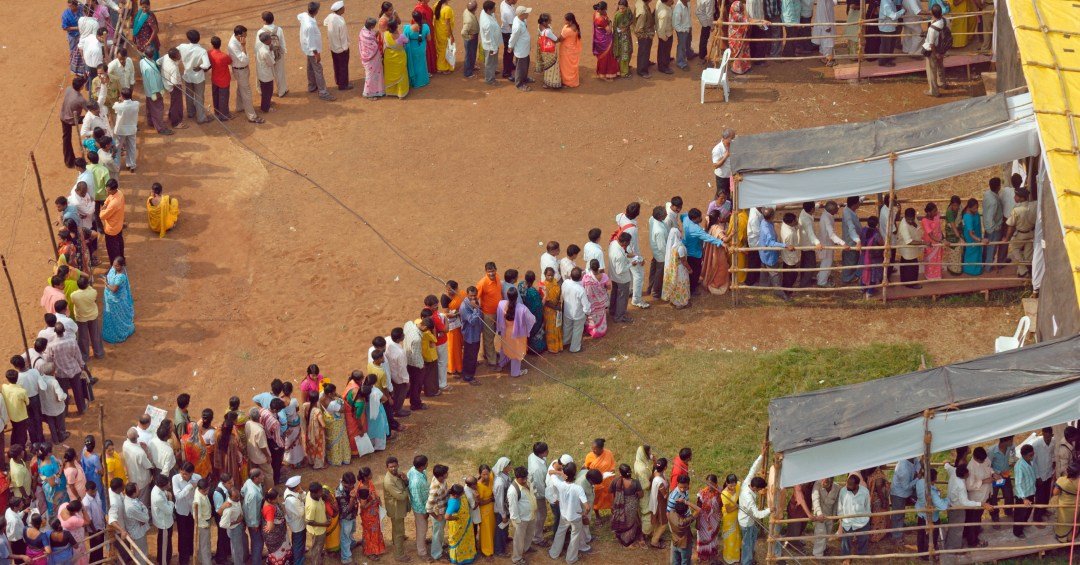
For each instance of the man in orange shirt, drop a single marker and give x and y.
(112, 219)
(489, 291)
(220, 78)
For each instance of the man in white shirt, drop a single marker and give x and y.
(172, 77)
(53, 404)
(1043, 444)
(620, 277)
(94, 118)
(161, 513)
(593, 250)
(522, 502)
(721, 152)
(490, 37)
(680, 21)
(627, 222)
(30, 380)
(122, 69)
(520, 44)
(854, 499)
(827, 235)
(979, 483)
(537, 474)
(241, 73)
(909, 241)
(93, 52)
(749, 512)
(573, 515)
(137, 464)
(658, 234)
(196, 62)
(807, 237)
(550, 259)
(277, 45)
(934, 58)
(705, 11)
(265, 67)
(127, 124)
(162, 455)
(507, 16)
(789, 256)
(850, 227)
(753, 238)
(575, 307)
(294, 516)
(338, 36)
(311, 45)
(958, 505)
(184, 485)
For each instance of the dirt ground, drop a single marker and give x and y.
(265, 274)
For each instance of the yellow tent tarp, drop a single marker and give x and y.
(1048, 37)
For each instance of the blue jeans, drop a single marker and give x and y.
(348, 527)
(256, 534)
(861, 542)
(501, 535)
(236, 543)
(992, 251)
(749, 538)
(681, 556)
(299, 540)
(470, 55)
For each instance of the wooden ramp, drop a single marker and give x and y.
(957, 284)
(1004, 538)
(905, 64)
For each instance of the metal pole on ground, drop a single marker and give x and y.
(15, 301)
(44, 206)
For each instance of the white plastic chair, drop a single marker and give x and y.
(1015, 341)
(717, 77)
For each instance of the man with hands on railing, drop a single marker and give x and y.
(824, 500)
(958, 505)
(854, 502)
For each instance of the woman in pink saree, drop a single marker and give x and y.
(933, 231)
(371, 55)
(597, 285)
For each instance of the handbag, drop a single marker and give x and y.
(363, 445)
(451, 53)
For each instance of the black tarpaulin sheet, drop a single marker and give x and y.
(843, 143)
(827, 415)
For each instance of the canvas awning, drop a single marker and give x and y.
(834, 431)
(834, 162)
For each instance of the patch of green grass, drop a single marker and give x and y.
(713, 401)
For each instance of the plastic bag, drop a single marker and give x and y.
(363, 445)
(451, 53)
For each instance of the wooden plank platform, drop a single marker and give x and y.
(955, 284)
(1005, 538)
(905, 64)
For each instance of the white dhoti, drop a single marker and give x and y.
(824, 18)
(912, 40)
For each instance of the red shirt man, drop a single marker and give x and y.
(219, 64)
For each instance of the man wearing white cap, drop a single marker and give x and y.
(311, 45)
(339, 44)
(294, 517)
(521, 46)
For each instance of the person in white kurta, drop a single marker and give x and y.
(824, 18)
(912, 40)
(828, 236)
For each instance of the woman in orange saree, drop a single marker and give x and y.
(315, 425)
(603, 460)
(714, 269)
(355, 413)
(451, 303)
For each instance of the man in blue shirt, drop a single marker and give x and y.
(888, 16)
(903, 488)
(69, 22)
(694, 236)
(771, 259)
(472, 325)
(1001, 456)
(939, 502)
(1024, 477)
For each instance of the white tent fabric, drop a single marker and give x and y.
(950, 430)
(1015, 139)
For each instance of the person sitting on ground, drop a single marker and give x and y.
(162, 210)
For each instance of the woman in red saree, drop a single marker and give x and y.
(370, 523)
(355, 410)
(229, 451)
(709, 520)
(607, 67)
(601, 459)
(740, 48)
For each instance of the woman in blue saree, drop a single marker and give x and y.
(973, 255)
(144, 28)
(53, 483)
(92, 466)
(418, 33)
(118, 322)
(532, 300)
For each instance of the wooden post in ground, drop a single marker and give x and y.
(888, 228)
(859, 41)
(772, 495)
(104, 468)
(927, 437)
(15, 301)
(44, 206)
(735, 178)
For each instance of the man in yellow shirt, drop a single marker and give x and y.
(16, 402)
(85, 311)
(21, 485)
(317, 522)
(112, 220)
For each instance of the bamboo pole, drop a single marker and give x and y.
(927, 440)
(15, 301)
(104, 468)
(913, 555)
(889, 226)
(735, 178)
(44, 206)
(906, 529)
(772, 499)
(907, 511)
(859, 42)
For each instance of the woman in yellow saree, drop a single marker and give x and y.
(730, 534)
(459, 528)
(962, 26)
(737, 238)
(162, 211)
(552, 312)
(1065, 497)
(395, 63)
(444, 33)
